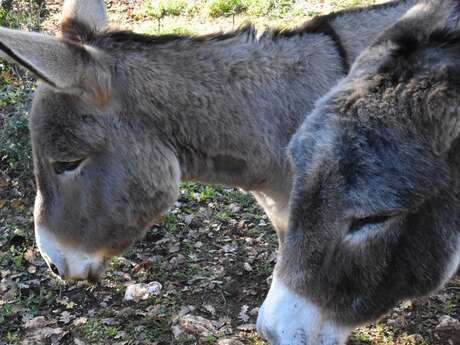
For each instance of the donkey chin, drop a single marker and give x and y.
(66, 262)
(288, 319)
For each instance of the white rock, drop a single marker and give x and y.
(247, 267)
(210, 309)
(138, 292)
(447, 322)
(254, 311)
(235, 208)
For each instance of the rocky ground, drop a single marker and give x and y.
(197, 278)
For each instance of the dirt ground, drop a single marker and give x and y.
(212, 257)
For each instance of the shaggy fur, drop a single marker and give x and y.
(374, 209)
(140, 112)
(120, 118)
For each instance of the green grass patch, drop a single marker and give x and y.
(222, 8)
(259, 8)
(162, 8)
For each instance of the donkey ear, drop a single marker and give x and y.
(80, 18)
(65, 66)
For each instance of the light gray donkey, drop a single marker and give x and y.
(119, 118)
(375, 209)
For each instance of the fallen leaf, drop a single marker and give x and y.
(44, 335)
(80, 321)
(36, 322)
(197, 325)
(65, 317)
(16, 203)
(3, 183)
(249, 327)
(243, 315)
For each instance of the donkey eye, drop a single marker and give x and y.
(358, 224)
(61, 167)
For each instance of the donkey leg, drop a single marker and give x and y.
(277, 209)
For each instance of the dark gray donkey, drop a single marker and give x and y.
(375, 209)
(119, 118)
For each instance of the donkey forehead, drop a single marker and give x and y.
(62, 125)
(375, 167)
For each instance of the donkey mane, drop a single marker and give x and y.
(322, 25)
(76, 31)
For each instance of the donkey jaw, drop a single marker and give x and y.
(65, 262)
(285, 318)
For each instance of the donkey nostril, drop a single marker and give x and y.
(54, 269)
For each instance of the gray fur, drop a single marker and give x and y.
(374, 209)
(217, 109)
(140, 113)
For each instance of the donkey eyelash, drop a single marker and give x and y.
(61, 167)
(358, 223)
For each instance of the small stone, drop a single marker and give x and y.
(254, 311)
(174, 247)
(235, 208)
(447, 322)
(210, 309)
(247, 267)
(138, 292)
(80, 321)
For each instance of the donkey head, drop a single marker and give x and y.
(99, 185)
(374, 215)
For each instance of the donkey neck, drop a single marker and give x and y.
(229, 106)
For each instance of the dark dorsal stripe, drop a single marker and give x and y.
(25, 64)
(319, 25)
(322, 25)
(76, 31)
